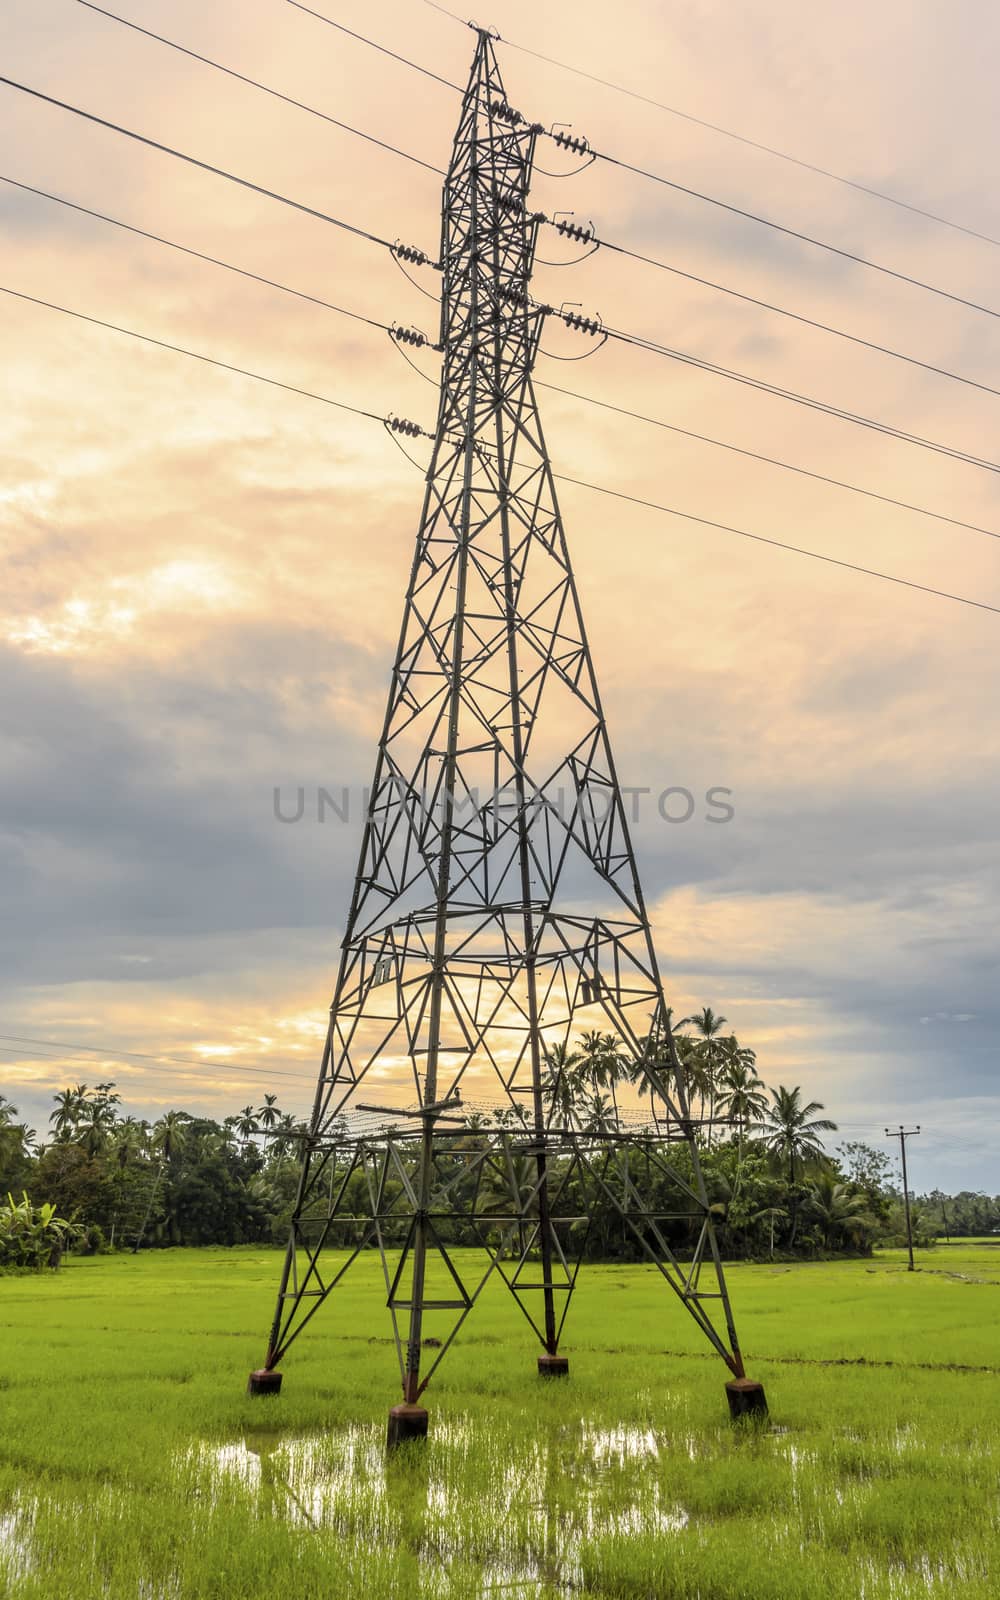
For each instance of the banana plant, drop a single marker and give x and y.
(32, 1236)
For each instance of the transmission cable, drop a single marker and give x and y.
(778, 544)
(794, 233)
(795, 316)
(439, 171)
(199, 255)
(414, 429)
(205, 166)
(572, 394)
(181, 350)
(729, 133)
(139, 1055)
(582, 146)
(809, 401)
(361, 38)
(254, 83)
(771, 461)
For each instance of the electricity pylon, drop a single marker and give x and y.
(497, 905)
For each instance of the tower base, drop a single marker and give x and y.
(553, 1366)
(405, 1422)
(264, 1381)
(746, 1398)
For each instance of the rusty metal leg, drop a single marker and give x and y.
(746, 1398)
(406, 1422)
(264, 1381)
(553, 1366)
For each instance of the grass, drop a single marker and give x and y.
(132, 1464)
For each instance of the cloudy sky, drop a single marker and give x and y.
(203, 575)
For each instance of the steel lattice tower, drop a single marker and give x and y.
(497, 905)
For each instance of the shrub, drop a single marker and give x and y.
(32, 1237)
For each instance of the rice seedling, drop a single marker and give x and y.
(133, 1465)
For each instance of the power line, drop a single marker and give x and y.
(205, 166)
(181, 350)
(446, 13)
(361, 38)
(809, 401)
(796, 316)
(583, 146)
(375, 239)
(754, 144)
(199, 255)
(659, 178)
(108, 1054)
(771, 461)
(108, 1058)
(254, 83)
(795, 233)
(729, 133)
(572, 394)
(757, 538)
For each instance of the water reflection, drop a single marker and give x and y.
(517, 1516)
(16, 1526)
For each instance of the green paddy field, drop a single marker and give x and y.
(133, 1466)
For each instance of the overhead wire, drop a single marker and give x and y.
(363, 39)
(446, 13)
(195, 161)
(772, 461)
(797, 234)
(573, 394)
(199, 255)
(779, 544)
(108, 1053)
(979, 605)
(607, 244)
(195, 355)
(796, 316)
(810, 402)
(385, 244)
(602, 156)
(730, 133)
(255, 83)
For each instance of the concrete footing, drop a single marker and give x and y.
(553, 1366)
(406, 1422)
(746, 1398)
(264, 1382)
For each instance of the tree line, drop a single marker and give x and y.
(102, 1179)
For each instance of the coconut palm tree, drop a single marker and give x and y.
(16, 1138)
(652, 1071)
(246, 1124)
(97, 1127)
(769, 1215)
(269, 1115)
(169, 1135)
(129, 1140)
(839, 1213)
(742, 1095)
(562, 1088)
(166, 1141)
(707, 1058)
(791, 1129)
(602, 1064)
(69, 1104)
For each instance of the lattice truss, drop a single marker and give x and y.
(497, 909)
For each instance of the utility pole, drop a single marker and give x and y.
(902, 1135)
